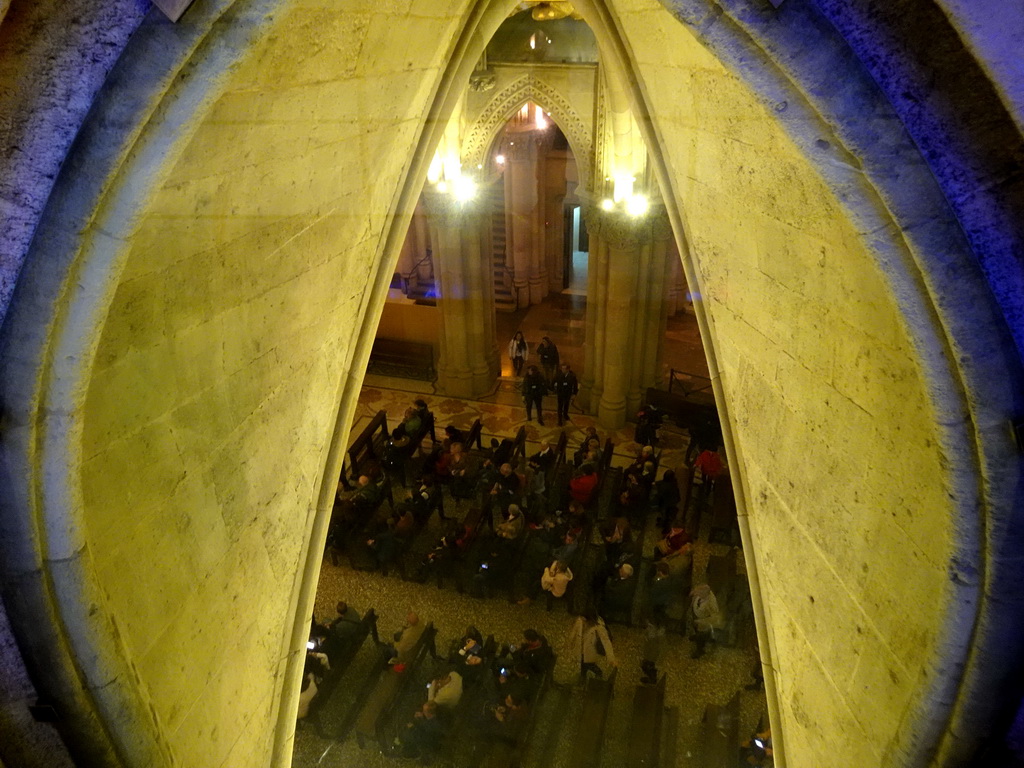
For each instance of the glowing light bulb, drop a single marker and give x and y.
(608, 204)
(499, 159)
(637, 205)
(442, 186)
(464, 189)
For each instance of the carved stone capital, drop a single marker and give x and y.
(447, 211)
(482, 81)
(624, 232)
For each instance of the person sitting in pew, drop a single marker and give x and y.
(567, 547)
(468, 660)
(544, 458)
(501, 451)
(757, 750)
(446, 690)
(307, 693)
(673, 540)
(464, 473)
(534, 653)
(591, 442)
(422, 735)
(556, 578)
(583, 484)
(425, 499)
(644, 456)
(345, 626)
(383, 542)
(665, 496)
(412, 422)
(617, 534)
(404, 646)
(618, 592)
(516, 679)
(454, 435)
(507, 487)
(506, 720)
(511, 528)
(634, 497)
(364, 499)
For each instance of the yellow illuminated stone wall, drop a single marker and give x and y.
(844, 479)
(218, 372)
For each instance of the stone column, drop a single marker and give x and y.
(524, 237)
(541, 141)
(625, 310)
(468, 360)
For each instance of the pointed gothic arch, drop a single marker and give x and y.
(504, 106)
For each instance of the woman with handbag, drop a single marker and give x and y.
(590, 643)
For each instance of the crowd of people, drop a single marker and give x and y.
(531, 525)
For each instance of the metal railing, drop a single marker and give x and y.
(688, 383)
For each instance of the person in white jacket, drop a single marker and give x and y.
(518, 352)
(556, 578)
(445, 691)
(589, 641)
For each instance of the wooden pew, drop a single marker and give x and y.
(597, 699)
(341, 659)
(504, 755)
(364, 452)
(473, 437)
(722, 577)
(720, 734)
(389, 684)
(402, 358)
(724, 525)
(518, 459)
(644, 750)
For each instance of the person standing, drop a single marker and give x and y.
(590, 643)
(534, 390)
(706, 618)
(518, 352)
(548, 353)
(566, 386)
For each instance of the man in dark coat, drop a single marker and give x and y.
(565, 386)
(534, 390)
(548, 354)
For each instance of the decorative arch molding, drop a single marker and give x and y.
(504, 105)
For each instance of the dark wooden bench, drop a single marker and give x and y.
(695, 412)
(518, 459)
(405, 359)
(724, 525)
(473, 437)
(644, 749)
(597, 699)
(341, 660)
(720, 733)
(388, 685)
(505, 755)
(365, 451)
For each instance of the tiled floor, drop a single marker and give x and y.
(691, 684)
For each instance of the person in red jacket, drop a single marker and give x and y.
(582, 486)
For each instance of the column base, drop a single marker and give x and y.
(611, 415)
(463, 384)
